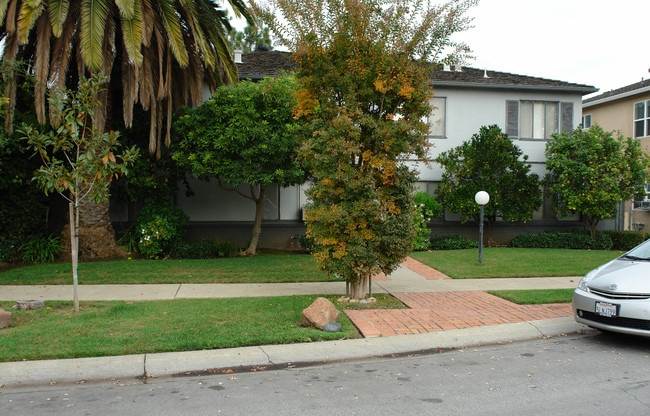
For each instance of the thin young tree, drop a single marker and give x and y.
(365, 67)
(79, 160)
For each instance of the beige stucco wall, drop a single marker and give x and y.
(618, 115)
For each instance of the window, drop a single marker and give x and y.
(642, 119)
(537, 119)
(437, 122)
(586, 121)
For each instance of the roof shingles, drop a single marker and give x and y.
(257, 65)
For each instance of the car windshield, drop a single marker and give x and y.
(640, 252)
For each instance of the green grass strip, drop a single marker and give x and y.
(514, 262)
(535, 297)
(118, 328)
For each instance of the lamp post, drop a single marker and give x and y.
(481, 199)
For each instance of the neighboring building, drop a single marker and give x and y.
(626, 110)
(528, 109)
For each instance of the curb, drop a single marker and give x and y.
(144, 367)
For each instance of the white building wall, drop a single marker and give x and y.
(211, 203)
(469, 110)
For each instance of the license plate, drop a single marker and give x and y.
(606, 309)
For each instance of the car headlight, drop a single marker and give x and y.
(586, 279)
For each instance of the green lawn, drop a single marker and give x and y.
(115, 328)
(515, 262)
(269, 268)
(535, 297)
(284, 268)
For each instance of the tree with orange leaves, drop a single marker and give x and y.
(364, 68)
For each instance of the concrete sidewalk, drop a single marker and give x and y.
(443, 313)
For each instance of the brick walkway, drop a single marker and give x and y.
(438, 311)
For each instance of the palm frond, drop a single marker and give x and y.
(4, 4)
(241, 9)
(148, 21)
(108, 47)
(29, 14)
(126, 7)
(58, 10)
(62, 53)
(130, 75)
(132, 30)
(41, 65)
(10, 23)
(169, 20)
(93, 20)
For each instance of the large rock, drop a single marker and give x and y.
(320, 313)
(5, 319)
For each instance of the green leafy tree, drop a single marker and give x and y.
(243, 135)
(78, 160)
(364, 67)
(489, 162)
(251, 39)
(592, 171)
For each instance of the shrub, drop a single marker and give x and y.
(9, 246)
(426, 208)
(569, 240)
(227, 249)
(306, 243)
(626, 240)
(452, 242)
(39, 249)
(159, 229)
(205, 249)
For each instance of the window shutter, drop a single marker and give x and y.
(566, 120)
(512, 118)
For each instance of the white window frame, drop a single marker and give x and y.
(538, 119)
(438, 118)
(586, 121)
(641, 122)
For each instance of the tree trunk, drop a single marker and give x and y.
(592, 223)
(358, 288)
(257, 225)
(96, 235)
(74, 252)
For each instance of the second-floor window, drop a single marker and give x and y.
(538, 120)
(437, 117)
(586, 121)
(642, 119)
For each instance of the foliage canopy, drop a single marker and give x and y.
(243, 135)
(364, 70)
(592, 171)
(489, 162)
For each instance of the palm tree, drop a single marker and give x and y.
(158, 54)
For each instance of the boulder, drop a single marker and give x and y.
(320, 313)
(5, 319)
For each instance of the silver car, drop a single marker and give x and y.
(616, 296)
